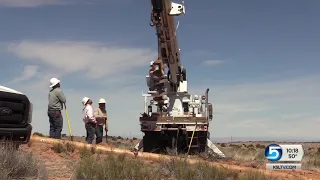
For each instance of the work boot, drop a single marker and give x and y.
(135, 153)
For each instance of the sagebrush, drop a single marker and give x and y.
(119, 167)
(16, 164)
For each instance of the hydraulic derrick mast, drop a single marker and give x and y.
(162, 18)
(181, 120)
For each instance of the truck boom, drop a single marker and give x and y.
(180, 121)
(162, 18)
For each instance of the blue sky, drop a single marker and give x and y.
(259, 59)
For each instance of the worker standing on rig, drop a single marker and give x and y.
(156, 74)
(89, 119)
(100, 114)
(152, 78)
(56, 100)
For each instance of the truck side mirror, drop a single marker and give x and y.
(210, 111)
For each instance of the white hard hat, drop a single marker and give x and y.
(54, 81)
(102, 101)
(196, 97)
(151, 63)
(85, 100)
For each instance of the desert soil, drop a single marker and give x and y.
(61, 166)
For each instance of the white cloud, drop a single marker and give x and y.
(295, 116)
(38, 3)
(29, 71)
(94, 59)
(213, 62)
(80, 64)
(287, 107)
(277, 108)
(30, 3)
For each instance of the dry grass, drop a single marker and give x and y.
(118, 167)
(112, 167)
(311, 160)
(117, 141)
(39, 134)
(63, 147)
(67, 148)
(88, 152)
(243, 153)
(123, 143)
(121, 167)
(15, 164)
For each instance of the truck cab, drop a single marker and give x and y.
(15, 116)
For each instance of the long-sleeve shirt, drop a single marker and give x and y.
(56, 99)
(101, 116)
(156, 74)
(88, 115)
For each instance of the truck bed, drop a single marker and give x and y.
(178, 119)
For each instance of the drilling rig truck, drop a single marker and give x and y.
(173, 119)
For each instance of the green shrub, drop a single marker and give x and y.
(38, 134)
(86, 152)
(250, 146)
(113, 167)
(63, 147)
(58, 148)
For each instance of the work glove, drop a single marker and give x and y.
(58, 114)
(94, 122)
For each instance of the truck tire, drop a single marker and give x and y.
(150, 140)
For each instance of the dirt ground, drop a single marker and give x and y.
(61, 166)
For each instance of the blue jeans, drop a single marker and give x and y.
(56, 123)
(99, 134)
(91, 130)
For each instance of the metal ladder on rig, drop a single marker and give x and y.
(195, 142)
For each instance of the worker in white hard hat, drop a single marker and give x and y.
(89, 119)
(151, 81)
(152, 68)
(153, 76)
(101, 116)
(156, 73)
(56, 101)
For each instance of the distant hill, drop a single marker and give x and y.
(271, 139)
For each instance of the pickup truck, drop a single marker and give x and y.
(15, 116)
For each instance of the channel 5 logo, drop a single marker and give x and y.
(273, 152)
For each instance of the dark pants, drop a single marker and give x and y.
(56, 123)
(99, 133)
(91, 130)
